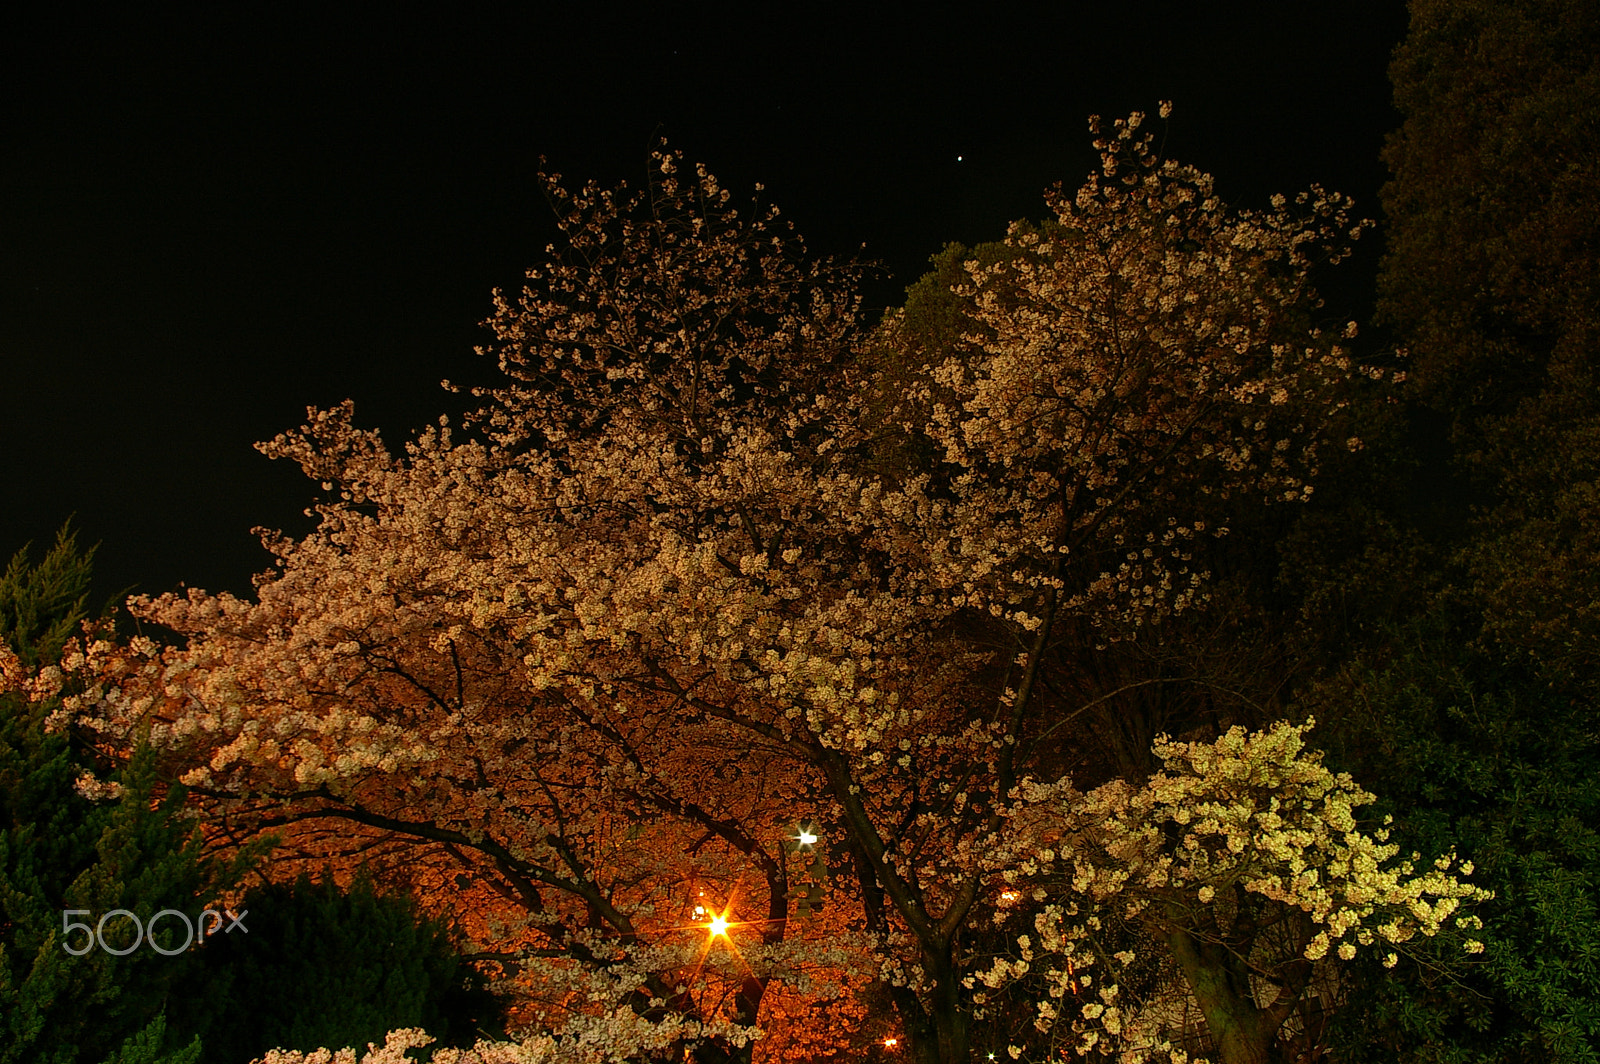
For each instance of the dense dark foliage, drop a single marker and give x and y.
(1470, 704)
(312, 943)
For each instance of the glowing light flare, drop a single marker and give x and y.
(805, 835)
(718, 925)
(891, 1042)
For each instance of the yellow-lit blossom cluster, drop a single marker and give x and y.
(1248, 832)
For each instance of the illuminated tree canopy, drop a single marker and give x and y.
(708, 677)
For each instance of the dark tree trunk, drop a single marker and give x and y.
(1241, 1032)
(944, 997)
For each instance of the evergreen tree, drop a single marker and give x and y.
(60, 851)
(1492, 277)
(1477, 718)
(42, 605)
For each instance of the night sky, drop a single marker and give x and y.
(207, 224)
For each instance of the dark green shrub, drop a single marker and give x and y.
(323, 967)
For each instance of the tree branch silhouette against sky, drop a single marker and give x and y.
(211, 222)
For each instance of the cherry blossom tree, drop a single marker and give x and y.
(671, 593)
(385, 698)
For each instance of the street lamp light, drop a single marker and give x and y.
(805, 837)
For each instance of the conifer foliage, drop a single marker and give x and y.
(63, 848)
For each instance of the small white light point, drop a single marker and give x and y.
(718, 926)
(807, 839)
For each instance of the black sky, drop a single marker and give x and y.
(207, 224)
